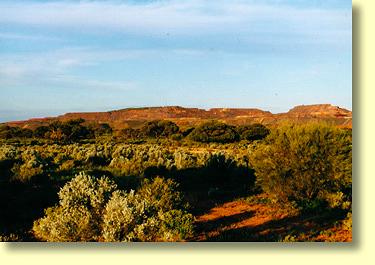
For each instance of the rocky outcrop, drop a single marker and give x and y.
(135, 117)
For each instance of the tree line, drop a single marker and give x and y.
(75, 130)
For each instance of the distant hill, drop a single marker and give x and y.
(135, 117)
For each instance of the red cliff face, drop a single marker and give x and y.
(134, 117)
(321, 110)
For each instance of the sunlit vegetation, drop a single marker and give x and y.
(93, 209)
(308, 165)
(80, 181)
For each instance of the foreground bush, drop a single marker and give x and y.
(94, 210)
(309, 165)
(78, 215)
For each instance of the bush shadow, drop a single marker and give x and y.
(276, 230)
(213, 225)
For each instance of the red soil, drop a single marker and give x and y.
(244, 221)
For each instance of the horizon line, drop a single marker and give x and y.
(167, 106)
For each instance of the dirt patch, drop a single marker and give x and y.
(247, 221)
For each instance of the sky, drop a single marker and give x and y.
(68, 56)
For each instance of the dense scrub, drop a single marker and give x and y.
(305, 167)
(58, 131)
(30, 162)
(78, 129)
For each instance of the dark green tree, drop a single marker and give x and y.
(40, 132)
(159, 128)
(253, 132)
(214, 131)
(130, 133)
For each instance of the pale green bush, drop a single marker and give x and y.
(161, 194)
(176, 225)
(79, 213)
(155, 213)
(123, 159)
(126, 219)
(87, 191)
(93, 210)
(33, 164)
(26, 172)
(63, 224)
(9, 152)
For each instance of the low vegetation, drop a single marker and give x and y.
(308, 165)
(79, 181)
(93, 209)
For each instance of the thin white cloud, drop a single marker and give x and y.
(177, 17)
(55, 81)
(76, 82)
(54, 69)
(26, 37)
(60, 61)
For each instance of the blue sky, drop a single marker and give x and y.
(64, 56)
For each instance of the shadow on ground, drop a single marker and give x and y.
(275, 230)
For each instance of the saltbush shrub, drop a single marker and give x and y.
(161, 194)
(78, 215)
(92, 209)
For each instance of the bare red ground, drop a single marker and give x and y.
(244, 221)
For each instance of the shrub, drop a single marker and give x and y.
(71, 130)
(92, 209)
(253, 132)
(347, 222)
(78, 215)
(32, 165)
(187, 131)
(125, 219)
(307, 164)
(176, 137)
(62, 224)
(176, 225)
(161, 194)
(26, 172)
(7, 132)
(159, 128)
(130, 133)
(10, 238)
(41, 131)
(67, 165)
(99, 129)
(214, 131)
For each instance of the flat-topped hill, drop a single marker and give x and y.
(134, 117)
